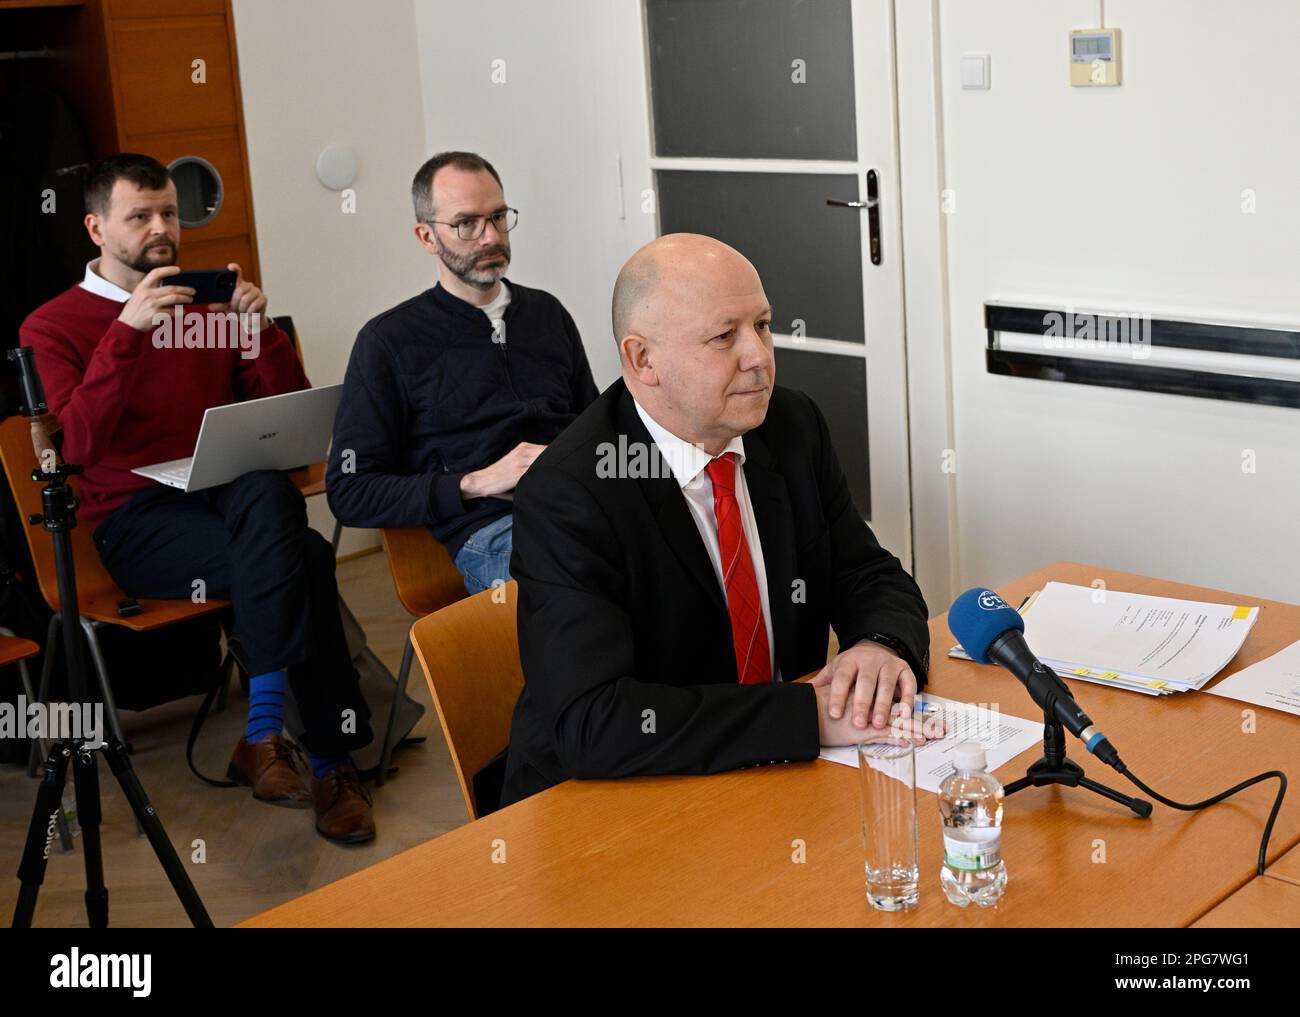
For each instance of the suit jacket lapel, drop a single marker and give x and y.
(669, 505)
(775, 520)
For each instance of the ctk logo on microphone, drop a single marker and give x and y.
(990, 601)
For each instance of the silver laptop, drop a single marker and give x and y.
(279, 432)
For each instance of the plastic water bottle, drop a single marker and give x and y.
(970, 800)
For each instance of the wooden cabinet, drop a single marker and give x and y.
(159, 77)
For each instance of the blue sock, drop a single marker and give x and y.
(321, 765)
(265, 705)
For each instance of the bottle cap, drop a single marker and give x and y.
(970, 756)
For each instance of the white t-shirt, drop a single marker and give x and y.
(496, 310)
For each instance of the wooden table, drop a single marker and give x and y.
(1264, 901)
(1272, 899)
(725, 849)
(1288, 866)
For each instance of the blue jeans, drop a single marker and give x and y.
(484, 559)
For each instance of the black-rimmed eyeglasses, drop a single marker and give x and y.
(473, 227)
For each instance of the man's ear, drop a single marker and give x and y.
(424, 234)
(636, 355)
(93, 228)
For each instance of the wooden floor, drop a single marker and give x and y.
(257, 855)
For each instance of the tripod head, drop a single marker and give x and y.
(58, 501)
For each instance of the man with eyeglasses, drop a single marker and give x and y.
(451, 395)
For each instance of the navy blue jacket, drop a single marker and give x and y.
(429, 397)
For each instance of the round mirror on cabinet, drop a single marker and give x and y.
(199, 190)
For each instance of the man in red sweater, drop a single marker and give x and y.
(127, 397)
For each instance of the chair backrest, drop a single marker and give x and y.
(470, 656)
(284, 322)
(93, 581)
(424, 574)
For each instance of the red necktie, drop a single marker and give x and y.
(748, 631)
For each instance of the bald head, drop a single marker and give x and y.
(693, 328)
(633, 290)
(670, 269)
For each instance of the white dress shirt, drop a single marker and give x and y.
(100, 286)
(688, 463)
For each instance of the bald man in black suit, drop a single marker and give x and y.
(685, 546)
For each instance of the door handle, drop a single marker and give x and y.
(841, 203)
(872, 205)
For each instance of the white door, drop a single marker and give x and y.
(758, 115)
(614, 120)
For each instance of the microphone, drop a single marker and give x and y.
(991, 631)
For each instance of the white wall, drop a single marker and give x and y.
(573, 98)
(315, 73)
(1126, 198)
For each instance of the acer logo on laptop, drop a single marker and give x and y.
(269, 434)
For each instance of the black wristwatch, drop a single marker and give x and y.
(893, 642)
(899, 647)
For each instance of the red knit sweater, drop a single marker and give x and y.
(123, 402)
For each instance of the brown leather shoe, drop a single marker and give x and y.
(343, 810)
(268, 767)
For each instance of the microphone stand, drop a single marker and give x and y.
(1057, 768)
(59, 516)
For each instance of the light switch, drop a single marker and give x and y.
(975, 70)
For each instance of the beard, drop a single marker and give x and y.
(146, 260)
(464, 266)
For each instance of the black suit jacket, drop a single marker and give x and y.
(623, 627)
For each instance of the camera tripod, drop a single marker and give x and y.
(59, 516)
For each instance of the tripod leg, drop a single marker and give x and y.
(1140, 807)
(65, 834)
(47, 670)
(1019, 784)
(145, 815)
(97, 656)
(110, 706)
(41, 747)
(38, 745)
(40, 834)
(85, 778)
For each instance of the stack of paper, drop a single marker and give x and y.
(1153, 645)
(1273, 682)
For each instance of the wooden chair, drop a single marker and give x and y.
(426, 580)
(14, 650)
(470, 656)
(97, 594)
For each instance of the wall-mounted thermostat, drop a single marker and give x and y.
(1094, 56)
